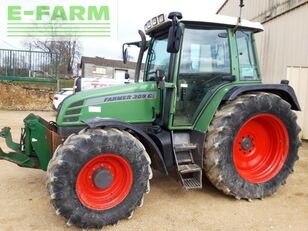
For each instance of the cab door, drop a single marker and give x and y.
(204, 62)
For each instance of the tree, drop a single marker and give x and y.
(69, 53)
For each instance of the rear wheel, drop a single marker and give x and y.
(98, 177)
(251, 146)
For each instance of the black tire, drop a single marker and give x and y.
(77, 150)
(219, 163)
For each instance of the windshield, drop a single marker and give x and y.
(158, 58)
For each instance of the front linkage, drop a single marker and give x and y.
(37, 143)
(18, 157)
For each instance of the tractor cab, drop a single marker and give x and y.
(192, 59)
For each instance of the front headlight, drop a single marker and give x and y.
(154, 21)
(147, 26)
(161, 18)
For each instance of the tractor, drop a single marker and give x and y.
(200, 111)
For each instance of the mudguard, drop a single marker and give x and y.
(144, 138)
(285, 91)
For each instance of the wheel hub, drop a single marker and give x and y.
(104, 181)
(102, 178)
(246, 143)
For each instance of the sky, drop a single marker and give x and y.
(131, 16)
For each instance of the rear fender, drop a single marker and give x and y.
(231, 92)
(285, 91)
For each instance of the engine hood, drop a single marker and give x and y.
(133, 103)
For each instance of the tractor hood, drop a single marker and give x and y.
(133, 103)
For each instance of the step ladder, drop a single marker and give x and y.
(189, 170)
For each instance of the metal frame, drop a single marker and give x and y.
(21, 65)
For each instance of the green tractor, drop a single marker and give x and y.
(200, 110)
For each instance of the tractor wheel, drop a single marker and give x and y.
(251, 146)
(98, 177)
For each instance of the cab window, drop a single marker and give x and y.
(247, 61)
(205, 60)
(205, 51)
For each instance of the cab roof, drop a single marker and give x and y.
(218, 20)
(226, 20)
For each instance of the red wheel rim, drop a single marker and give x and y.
(260, 148)
(114, 192)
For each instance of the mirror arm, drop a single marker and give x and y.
(143, 46)
(123, 53)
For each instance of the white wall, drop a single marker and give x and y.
(298, 77)
(283, 43)
(260, 10)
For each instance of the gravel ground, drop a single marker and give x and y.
(25, 204)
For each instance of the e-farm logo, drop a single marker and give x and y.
(59, 21)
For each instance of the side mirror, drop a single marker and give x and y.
(160, 75)
(175, 33)
(77, 84)
(125, 55)
(126, 75)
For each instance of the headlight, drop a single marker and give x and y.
(154, 21)
(161, 18)
(147, 26)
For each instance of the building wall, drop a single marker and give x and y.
(259, 10)
(298, 77)
(108, 72)
(283, 44)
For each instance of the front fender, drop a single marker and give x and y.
(144, 138)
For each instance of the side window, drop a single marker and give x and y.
(247, 62)
(205, 51)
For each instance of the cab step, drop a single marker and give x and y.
(189, 168)
(184, 147)
(189, 171)
(191, 183)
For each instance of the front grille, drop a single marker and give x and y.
(77, 104)
(71, 119)
(73, 111)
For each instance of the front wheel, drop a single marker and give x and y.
(98, 177)
(251, 146)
